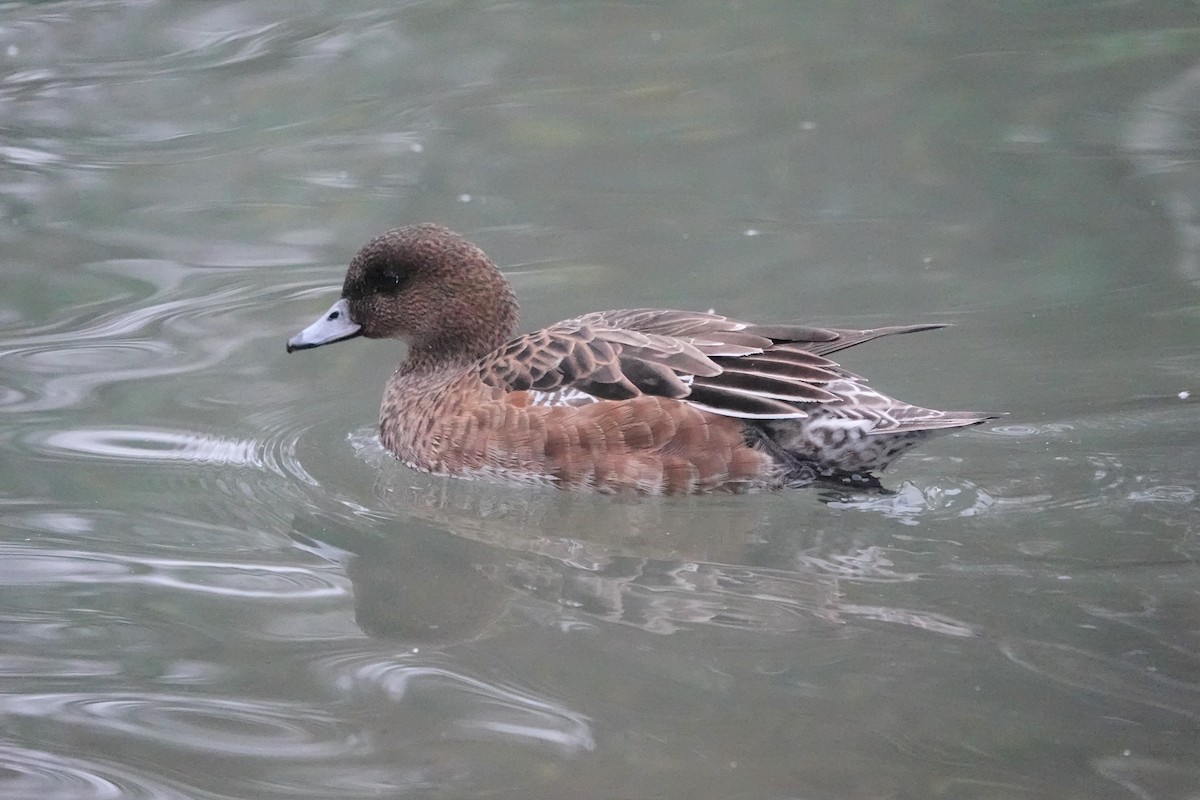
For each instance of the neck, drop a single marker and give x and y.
(456, 345)
(469, 314)
(437, 354)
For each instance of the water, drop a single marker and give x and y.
(215, 584)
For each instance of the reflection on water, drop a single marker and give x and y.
(201, 725)
(34, 773)
(624, 567)
(214, 583)
(1122, 684)
(1162, 141)
(475, 710)
(143, 446)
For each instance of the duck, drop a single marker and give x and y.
(646, 401)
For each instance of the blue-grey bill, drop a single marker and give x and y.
(333, 326)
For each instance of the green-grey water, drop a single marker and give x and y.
(214, 583)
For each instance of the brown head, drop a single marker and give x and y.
(426, 285)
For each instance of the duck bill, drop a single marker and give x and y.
(333, 326)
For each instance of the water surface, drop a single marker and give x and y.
(215, 584)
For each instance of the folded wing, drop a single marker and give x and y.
(723, 365)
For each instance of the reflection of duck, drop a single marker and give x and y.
(647, 400)
(421, 588)
(443, 562)
(427, 587)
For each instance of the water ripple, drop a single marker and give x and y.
(39, 667)
(160, 123)
(1108, 677)
(141, 446)
(75, 370)
(911, 504)
(175, 340)
(256, 581)
(463, 708)
(107, 530)
(1078, 482)
(1147, 778)
(1183, 495)
(201, 725)
(63, 368)
(29, 774)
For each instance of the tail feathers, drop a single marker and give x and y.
(926, 420)
(852, 338)
(833, 444)
(823, 341)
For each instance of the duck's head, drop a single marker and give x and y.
(423, 284)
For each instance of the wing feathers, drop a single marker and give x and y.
(845, 339)
(728, 367)
(766, 386)
(796, 371)
(654, 379)
(731, 403)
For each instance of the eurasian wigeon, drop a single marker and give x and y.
(644, 400)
